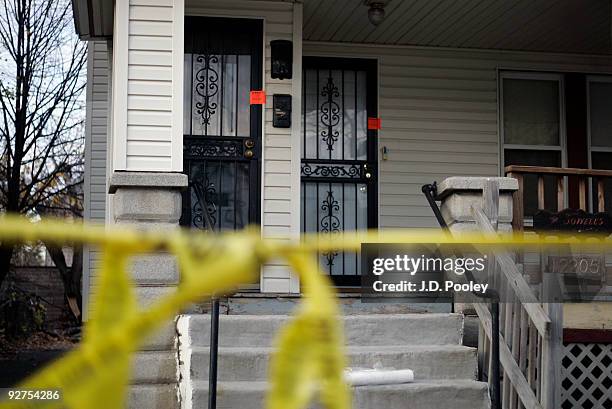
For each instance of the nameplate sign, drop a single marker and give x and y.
(571, 220)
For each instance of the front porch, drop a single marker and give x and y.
(453, 97)
(353, 120)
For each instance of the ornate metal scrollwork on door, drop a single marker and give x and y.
(330, 222)
(349, 171)
(338, 156)
(330, 113)
(213, 148)
(204, 209)
(207, 87)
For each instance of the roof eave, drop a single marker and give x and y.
(93, 19)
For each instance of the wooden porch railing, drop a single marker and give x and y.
(530, 333)
(583, 175)
(531, 346)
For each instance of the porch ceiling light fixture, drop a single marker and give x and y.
(376, 13)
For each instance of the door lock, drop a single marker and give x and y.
(248, 154)
(249, 143)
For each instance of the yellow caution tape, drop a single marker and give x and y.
(310, 356)
(309, 361)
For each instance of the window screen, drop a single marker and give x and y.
(531, 119)
(600, 126)
(600, 105)
(531, 112)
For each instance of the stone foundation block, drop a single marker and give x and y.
(147, 296)
(147, 204)
(154, 367)
(154, 396)
(155, 269)
(164, 339)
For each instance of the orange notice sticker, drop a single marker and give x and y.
(258, 98)
(374, 123)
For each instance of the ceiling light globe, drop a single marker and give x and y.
(376, 14)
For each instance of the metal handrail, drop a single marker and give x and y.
(214, 310)
(214, 354)
(431, 192)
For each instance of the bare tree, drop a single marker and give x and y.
(41, 124)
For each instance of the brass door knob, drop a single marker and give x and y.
(249, 143)
(248, 154)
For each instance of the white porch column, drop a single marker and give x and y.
(146, 164)
(147, 100)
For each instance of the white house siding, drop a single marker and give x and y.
(438, 106)
(280, 165)
(439, 115)
(147, 84)
(95, 147)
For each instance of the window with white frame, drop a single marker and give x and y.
(532, 127)
(600, 129)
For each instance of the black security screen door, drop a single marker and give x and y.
(338, 168)
(222, 131)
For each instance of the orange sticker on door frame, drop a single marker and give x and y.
(374, 123)
(257, 97)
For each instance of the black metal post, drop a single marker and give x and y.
(430, 192)
(214, 354)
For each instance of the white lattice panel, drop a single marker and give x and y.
(587, 376)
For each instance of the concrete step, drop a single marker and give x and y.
(428, 362)
(360, 330)
(456, 394)
(350, 304)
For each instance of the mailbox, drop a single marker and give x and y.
(281, 111)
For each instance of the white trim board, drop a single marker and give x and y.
(296, 132)
(120, 86)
